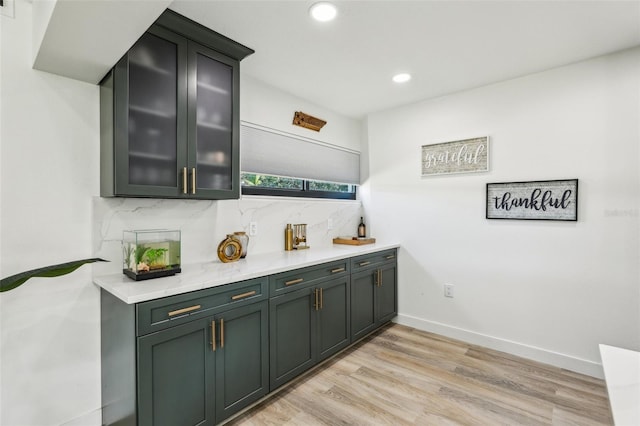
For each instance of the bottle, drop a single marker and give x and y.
(288, 238)
(362, 229)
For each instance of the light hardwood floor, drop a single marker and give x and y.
(404, 376)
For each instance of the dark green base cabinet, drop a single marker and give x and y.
(308, 325)
(198, 358)
(373, 292)
(211, 364)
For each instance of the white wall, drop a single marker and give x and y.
(270, 107)
(49, 186)
(547, 290)
(49, 339)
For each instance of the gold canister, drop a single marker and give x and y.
(288, 238)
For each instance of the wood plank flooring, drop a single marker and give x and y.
(404, 376)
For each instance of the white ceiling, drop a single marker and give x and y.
(448, 46)
(346, 65)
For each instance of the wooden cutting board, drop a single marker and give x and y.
(353, 241)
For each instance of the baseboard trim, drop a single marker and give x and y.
(534, 353)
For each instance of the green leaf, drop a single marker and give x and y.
(60, 269)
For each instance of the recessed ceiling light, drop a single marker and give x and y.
(323, 11)
(401, 78)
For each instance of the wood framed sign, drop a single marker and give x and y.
(536, 200)
(463, 156)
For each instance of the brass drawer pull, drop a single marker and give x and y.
(364, 263)
(243, 295)
(335, 271)
(292, 282)
(391, 256)
(184, 310)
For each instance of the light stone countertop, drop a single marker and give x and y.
(211, 274)
(622, 376)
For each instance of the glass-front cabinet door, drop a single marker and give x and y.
(152, 163)
(213, 116)
(169, 115)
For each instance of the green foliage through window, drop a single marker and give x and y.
(257, 184)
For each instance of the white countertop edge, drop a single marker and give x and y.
(199, 276)
(622, 377)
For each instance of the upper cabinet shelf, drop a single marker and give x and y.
(158, 107)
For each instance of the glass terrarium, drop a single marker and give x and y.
(150, 253)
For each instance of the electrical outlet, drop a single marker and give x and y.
(448, 290)
(329, 224)
(253, 228)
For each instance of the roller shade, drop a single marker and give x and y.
(271, 153)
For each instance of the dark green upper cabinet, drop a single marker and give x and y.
(170, 115)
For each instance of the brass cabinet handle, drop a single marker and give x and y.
(321, 298)
(213, 336)
(364, 263)
(193, 180)
(292, 282)
(221, 333)
(376, 278)
(315, 293)
(379, 277)
(184, 310)
(184, 180)
(335, 271)
(243, 295)
(391, 256)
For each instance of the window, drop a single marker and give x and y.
(257, 184)
(268, 155)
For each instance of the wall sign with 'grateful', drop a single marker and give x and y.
(463, 156)
(538, 200)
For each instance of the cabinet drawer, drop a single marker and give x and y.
(298, 278)
(372, 260)
(160, 314)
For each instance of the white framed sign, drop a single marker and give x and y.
(535, 200)
(462, 156)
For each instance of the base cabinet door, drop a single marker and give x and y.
(242, 367)
(363, 318)
(387, 303)
(292, 323)
(175, 376)
(333, 317)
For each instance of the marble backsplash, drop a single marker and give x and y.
(204, 224)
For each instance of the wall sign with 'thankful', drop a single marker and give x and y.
(463, 156)
(538, 200)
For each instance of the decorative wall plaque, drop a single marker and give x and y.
(536, 200)
(308, 121)
(463, 156)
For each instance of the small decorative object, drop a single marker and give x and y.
(463, 156)
(536, 200)
(307, 121)
(230, 249)
(288, 238)
(362, 229)
(150, 253)
(244, 242)
(300, 236)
